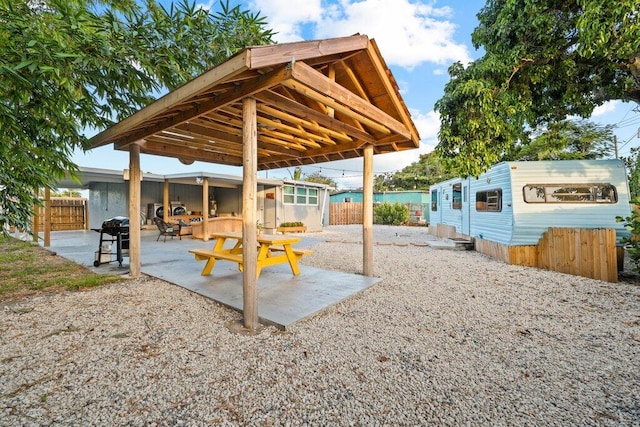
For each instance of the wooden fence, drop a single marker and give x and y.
(351, 213)
(67, 213)
(345, 213)
(582, 252)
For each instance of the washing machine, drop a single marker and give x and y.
(155, 210)
(178, 208)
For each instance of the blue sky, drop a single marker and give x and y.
(419, 39)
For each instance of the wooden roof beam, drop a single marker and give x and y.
(279, 101)
(358, 108)
(227, 141)
(327, 151)
(325, 100)
(391, 88)
(304, 137)
(355, 81)
(306, 124)
(196, 145)
(158, 148)
(210, 133)
(233, 66)
(243, 90)
(283, 53)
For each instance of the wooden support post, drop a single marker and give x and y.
(85, 205)
(47, 217)
(166, 210)
(134, 210)
(205, 209)
(249, 228)
(34, 222)
(367, 211)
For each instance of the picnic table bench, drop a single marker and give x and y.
(272, 250)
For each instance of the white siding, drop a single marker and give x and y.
(532, 219)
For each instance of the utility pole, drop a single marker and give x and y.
(615, 144)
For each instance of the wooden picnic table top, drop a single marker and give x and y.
(269, 239)
(265, 256)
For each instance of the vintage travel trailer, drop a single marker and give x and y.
(514, 203)
(510, 206)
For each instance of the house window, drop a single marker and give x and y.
(301, 196)
(294, 195)
(313, 196)
(288, 195)
(569, 193)
(489, 201)
(347, 199)
(456, 197)
(434, 200)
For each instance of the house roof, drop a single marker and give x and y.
(87, 176)
(317, 101)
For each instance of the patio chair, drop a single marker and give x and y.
(167, 229)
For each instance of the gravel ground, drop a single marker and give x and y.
(448, 337)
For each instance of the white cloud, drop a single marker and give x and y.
(428, 124)
(408, 32)
(605, 108)
(286, 17)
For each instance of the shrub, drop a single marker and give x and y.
(387, 213)
(292, 224)
(632, 243)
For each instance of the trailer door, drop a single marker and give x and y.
(466, 208)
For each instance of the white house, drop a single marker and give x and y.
(278, 200)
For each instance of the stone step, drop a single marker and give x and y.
(453, 244)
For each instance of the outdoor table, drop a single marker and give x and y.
(272, 250)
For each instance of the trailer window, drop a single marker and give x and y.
(570, 193)
(434, 200)
(456, 197)
(489, 201)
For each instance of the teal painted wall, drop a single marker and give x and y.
(402, 197)
(342, 197)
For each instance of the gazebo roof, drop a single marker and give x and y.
(317, 101)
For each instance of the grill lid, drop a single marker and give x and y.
(117, 222)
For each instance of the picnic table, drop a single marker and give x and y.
(272, 250)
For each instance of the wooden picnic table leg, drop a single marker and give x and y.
(211, 262)
(208, 267)
(263, 253)
(293, 259)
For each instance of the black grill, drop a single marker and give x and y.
(116, 230)
(116, 225)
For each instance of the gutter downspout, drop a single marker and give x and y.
(324, 203)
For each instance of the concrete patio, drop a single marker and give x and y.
(283, 299)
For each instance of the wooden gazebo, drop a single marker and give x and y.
(272, 107)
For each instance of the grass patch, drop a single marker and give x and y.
(26, 269)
